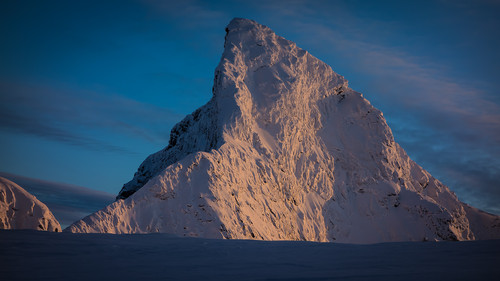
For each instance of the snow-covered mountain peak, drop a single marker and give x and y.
(244, 32)
(238, 24)
(258, 55)
(260, 73)
(285, 150)
(260, 76)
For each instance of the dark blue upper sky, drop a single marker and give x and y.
(88, 89)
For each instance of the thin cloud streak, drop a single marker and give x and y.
(30, 125)
(465, 166)
(81, 118)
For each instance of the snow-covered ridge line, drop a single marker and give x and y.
(186, 137)
(285, 150)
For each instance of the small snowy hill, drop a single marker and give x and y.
(21, 210)
(285, 150)
(67, 202)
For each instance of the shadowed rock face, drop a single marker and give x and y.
(21, 210)
(285, 150)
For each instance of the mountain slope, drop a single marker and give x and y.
(21, 210)
(283, 150)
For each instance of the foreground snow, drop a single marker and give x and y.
(31, 255)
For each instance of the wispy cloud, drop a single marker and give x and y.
(456, 107)
(191, 13)
(81, 118)
(466, 165)
(14, 121)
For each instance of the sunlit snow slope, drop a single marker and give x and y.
(286, 150)
(21, 210)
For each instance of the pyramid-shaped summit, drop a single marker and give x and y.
(284, 150)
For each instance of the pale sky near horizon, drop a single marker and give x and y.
(88, 89)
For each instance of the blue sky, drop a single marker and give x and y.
(88, 89)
